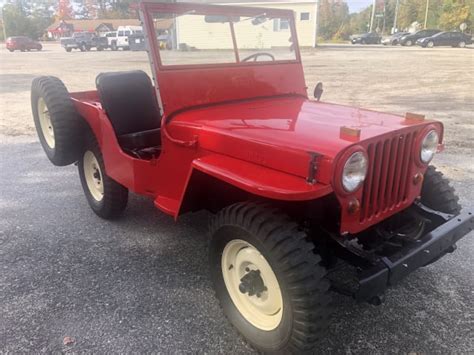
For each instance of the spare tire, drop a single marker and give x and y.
(57, 122)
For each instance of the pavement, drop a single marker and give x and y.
(141, 284)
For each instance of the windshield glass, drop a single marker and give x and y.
(192, 38)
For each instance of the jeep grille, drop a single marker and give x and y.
(388, 178)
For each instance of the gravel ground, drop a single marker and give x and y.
(141, 284)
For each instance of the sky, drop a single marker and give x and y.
(357, 5)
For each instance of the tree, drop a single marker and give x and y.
(28, 21)
(333, 15)
(455, 12)
(64, 10)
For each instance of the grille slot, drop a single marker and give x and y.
(387, 182)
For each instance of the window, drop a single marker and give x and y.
(304, 16)
(281, 24)
(208, 39)
(128, 33)
(120, 33)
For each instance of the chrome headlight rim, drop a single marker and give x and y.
(428, 146)
(359, 173)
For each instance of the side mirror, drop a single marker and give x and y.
(318, 91)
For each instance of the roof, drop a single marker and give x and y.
(248, 1)
(92, 25)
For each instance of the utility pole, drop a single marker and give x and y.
(4, 27)
(373, 16)
(426, 14)
(395, 20)
(316, 24)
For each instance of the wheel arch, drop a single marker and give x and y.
(217, 181)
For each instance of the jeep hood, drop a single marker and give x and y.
(282, 132)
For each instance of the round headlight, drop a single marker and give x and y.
(429, 146)
(355, 171)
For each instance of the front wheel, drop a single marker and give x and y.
(462, 44)
(430, 44)
(438, 194)
(268, 279)
(408, 43)
(106, 197)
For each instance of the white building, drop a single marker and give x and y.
(190, 29)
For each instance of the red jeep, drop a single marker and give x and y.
(307, 195)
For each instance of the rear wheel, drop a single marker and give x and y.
(462, 44)
(114, 46)
(68, 50)
(409, 43)
(106, 197)
(11, 50)
(268, 279)
(57, 122)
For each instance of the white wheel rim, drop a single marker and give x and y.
(462, 44)
(45, 123)
(238, 259)
(430, 44)
(93, 176)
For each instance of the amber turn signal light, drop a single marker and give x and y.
(418, 178)
(354, 206)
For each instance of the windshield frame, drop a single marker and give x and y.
(148, 9)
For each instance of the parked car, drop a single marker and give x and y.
(394, 39)
(110, 37)
(366, 38)
(453, 39)
(84, 41)
(299, 190)
(121, 39)
(137, 42)
(22, 43)
(410, 39)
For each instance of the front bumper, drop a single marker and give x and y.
(390, 270)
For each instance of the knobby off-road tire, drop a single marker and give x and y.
(246, 237)
(438, 194)
(57, 122)
(106, 197)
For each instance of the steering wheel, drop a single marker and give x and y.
(256, 55)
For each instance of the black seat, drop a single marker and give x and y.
(129, 100)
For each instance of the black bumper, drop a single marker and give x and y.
(390, 270)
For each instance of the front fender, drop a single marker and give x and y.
(255, 179)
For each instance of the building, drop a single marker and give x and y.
(65, 28)
(305, 18)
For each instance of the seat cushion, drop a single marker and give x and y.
(140, 140)
(129, 100)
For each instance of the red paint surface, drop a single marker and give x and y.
(257, 143)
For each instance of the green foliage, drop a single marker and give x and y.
(336, 24)
(332, 18)
(23, 20)
(455, 13)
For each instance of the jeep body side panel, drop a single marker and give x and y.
(165, 179)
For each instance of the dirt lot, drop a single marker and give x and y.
(140, 285)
